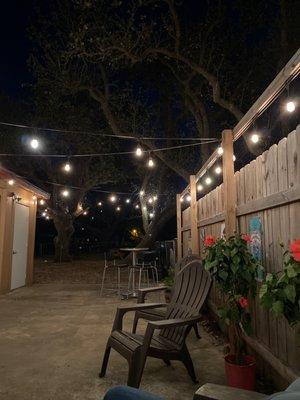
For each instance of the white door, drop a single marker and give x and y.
(20, 244)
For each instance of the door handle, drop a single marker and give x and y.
(14, 252)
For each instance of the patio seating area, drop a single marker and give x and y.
(53, 337)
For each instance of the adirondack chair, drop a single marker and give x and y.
(156, 314)
(163, 339)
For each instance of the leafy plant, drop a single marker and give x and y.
(234, 270)
(169, 279)
(281, 293)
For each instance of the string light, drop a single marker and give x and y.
(290, 106)
(67, 167)
(34, 198)
(220, 150)
(139, 151)
(44, 213)
(118, 208)
(85, 213)
(113, 198)
(218, 170)
(199, 187)
(137, 206)
(144, 208)
(208, 180)
(127, 201)
(150, 200)
(154, 198)
(188, 198)
(254, 138)
(142, 193)
(150, 163)
(100, 204)
(34, 143)
(42, 202)
(65, 193)
(151, 215)
(47, 217)
(11, 182)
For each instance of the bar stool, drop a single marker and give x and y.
(113, 264)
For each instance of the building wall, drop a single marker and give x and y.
(7, 205)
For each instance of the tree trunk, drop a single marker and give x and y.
(156, 225)
(64, 226)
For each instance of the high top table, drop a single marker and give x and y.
(134, 251)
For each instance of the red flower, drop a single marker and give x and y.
(209, 240)
(247, 238)
(295, 249)
(243, 302)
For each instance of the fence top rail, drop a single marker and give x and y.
(286, 75)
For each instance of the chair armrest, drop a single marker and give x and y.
(171, 323)
(143, 292)
(121, 311)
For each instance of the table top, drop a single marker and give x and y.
(134, 249)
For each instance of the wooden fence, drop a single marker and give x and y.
(269, 189)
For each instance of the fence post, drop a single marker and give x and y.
(229, 182)
(179, 231)
(194, 216)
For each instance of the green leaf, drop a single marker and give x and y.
(263, 290)
(290, 292)
(277, 308)
(223, 275)
(291, 273)
(267, 300)
(269, 277)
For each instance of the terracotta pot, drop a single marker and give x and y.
(240, 376)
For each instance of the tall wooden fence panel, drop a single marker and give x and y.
(268, 190)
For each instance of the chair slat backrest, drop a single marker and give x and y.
(192, 284)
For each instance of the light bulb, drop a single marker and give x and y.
(150, 200)
(199, 187)
(218, 170)
(113, 198)
(234, 158)
(11, 182)
(137, 206)
(42, 202)
(290, 106)
(85, 213)
(138, 151)
(34, 143)
(208, 180)
(220, 150)
(65, 193)
(44, 214)
(118, 208)
(127, 201)
(181, 199)
(154, 198)
(100, 204)
(34, 198)
(47, 217)
(67, 167)
(150, 163)
(254, 138)
(151, 215)
(188, 198)
(142, 193)
(144, 208)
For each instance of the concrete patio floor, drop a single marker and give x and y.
(52, 337)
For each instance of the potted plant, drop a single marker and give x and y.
(234, 270)
(280, 292)
(169, 283)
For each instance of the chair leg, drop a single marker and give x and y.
(140, 277)
(196, 329)
(136, 368)
(105, 361)
(119, 282)
(103, 277)
(187, 361)
(135, 322)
